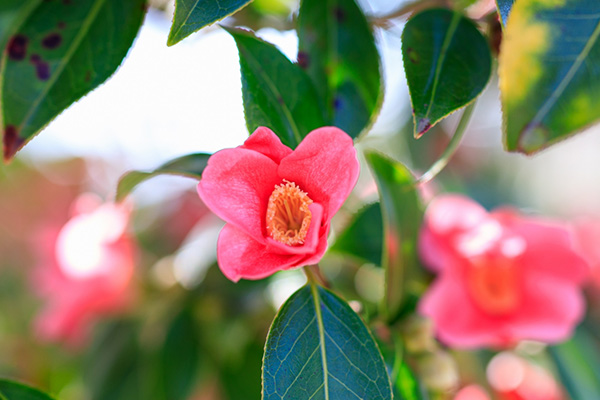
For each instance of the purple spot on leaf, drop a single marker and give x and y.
(62, 25)
(35, 58)
(52, 41)
(42, 71)
(303, 59)
(17, 47)
(339, 14)
(337, 104)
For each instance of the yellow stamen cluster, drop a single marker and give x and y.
(288, 216)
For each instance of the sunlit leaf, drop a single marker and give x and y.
(578, 364)
(504, 7)
(402, 216)
(318, 348)
(63, 50)
(193, 15)
(190, 165)
(549, 75)
(179, 357)
(16, 391)
(337, 49)
(277, 93)
(363, 238)
(447, 63)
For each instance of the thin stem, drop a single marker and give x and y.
(313, 274)
(441, 163)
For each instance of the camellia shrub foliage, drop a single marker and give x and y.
(458, 296)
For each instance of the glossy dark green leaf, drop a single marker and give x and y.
(337, 49)
(578, 365)
(447, 63)
(504, 7)
(179, 357)
(549, 72)
(277, 93)
(318, 348)
(363, 238)
(190, 165)
(402, 216)
(10, 390)
(193, 15)
(63, 50)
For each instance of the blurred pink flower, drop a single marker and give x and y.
(502, 277)
(471, 392)
(514, 378)
(277, 203)
(86, 272)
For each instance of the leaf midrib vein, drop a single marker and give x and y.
(558, 91)
(317, 301)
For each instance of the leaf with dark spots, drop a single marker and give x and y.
(336, 38)
(447, 63)
(52, 41)
(17, 47)
(33, 93)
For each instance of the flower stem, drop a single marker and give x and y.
(441, 163)
(313, 274)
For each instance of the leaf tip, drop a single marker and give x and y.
(532, 138)
(12, 143)
(422, 126)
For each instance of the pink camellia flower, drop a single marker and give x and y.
(277, 202)
(502, 277)
(86, 272)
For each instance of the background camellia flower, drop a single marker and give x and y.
(87, 270)
(587, 232)
(502, 277)
(277, 202)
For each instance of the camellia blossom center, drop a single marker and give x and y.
(494, 285)
(288, 215)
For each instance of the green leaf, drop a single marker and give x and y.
(62, 51)
(504, 7)
(337, 49)
(179, 357)
(193, 15)
(277, 93)
(363, 238)
(548, 76)
(16, 391)
(402, 216)
(447, 63)
(190, 165)
(318, 348)
(578, 364)
(12, 15)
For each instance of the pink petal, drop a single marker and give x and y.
(446, 217)
(550, 249)
(457, 321)
(550, 310)
(240, 256)
(236, 186)
(264, 141)
(312, 237)
(324, 165)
